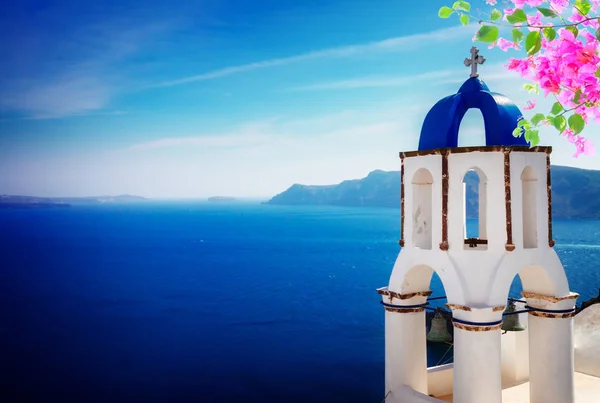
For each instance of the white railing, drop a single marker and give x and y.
(405, 394)
(440, 380)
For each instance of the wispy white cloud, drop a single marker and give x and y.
(277, 132)
(76, 76)
(72, 115)
(238, 140)
(378, 81)
(402, 43)
(65, 96)
(247, 135)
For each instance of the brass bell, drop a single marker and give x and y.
(511, 323)
(438, 333)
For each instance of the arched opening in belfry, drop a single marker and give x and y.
(438, 318)
(439, 351)
(422, 184)
(529, 193)
(475, 208)
(471, 131)
(514, 356)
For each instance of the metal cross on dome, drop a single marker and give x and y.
(475, 59)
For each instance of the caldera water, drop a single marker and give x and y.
(205, 302)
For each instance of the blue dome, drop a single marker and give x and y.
(500, 116)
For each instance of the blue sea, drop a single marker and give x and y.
(199, 302)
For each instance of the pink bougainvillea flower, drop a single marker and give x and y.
(588, 147)
(504, 44)
(559, 5)
(586, 55)
(535, 20)
(582, 145)
(550, 84)
(520, 66)
(576, 17)
(592, 23)
(530, 105)
(565, 66)
(532, 3)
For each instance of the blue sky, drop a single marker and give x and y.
(169, 99)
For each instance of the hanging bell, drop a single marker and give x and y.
(438, 333)
(511, 323)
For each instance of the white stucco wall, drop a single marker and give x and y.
(440, 380)
(405, 349)
(479, 276)
(421, 210)
(587, 341)
(518, 162)
(413, 170)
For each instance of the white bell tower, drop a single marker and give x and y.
(515, 238)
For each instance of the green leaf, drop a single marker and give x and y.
(577, 96)
(573, 29)
(487, 34)
(546, 12)
(597, 73)
(496, 15)
(516, 17)
(560, 123)
(524, 123)
(584, 6)
(550, 33)
(518, 132)
(556, 108)
(445, 12)
(464, 19)
(534, 137)
(517, 35)
(533, 42)
(576, 123)
(537, 118)
(461, 5)
(531, 88)
(598, 34)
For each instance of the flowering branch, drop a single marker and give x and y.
(562, 59)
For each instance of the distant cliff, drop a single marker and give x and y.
(379, 188)
(575, 193)
(8, 201)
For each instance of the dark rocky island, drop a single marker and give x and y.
(575, 193)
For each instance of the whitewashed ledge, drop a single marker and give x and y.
(586, 335)
(407, 395)
(587, 390)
